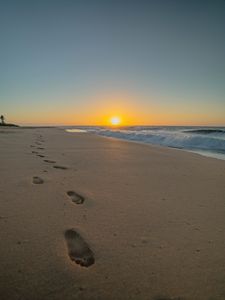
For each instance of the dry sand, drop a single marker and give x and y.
(87, 217)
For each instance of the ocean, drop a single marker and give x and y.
(207, 141)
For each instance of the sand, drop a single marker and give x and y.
(88, 217)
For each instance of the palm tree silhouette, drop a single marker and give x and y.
(2, 119)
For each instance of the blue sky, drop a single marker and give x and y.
(58, 59)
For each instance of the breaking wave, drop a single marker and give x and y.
(204, 140)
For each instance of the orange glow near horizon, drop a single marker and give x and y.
(101, 118)
(115, 109)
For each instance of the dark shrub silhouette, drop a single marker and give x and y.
(2, 119)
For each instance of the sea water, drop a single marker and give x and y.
(208, 141)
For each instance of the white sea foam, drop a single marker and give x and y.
(76, 130)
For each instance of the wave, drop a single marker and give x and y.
(206, 131)
(174, 139)
(208, 140)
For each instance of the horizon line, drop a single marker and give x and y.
(121, 126)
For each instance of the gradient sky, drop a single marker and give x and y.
(82, 61)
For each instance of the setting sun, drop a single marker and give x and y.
(115, 121)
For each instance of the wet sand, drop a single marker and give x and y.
(88, 217)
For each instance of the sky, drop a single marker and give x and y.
(80, 62)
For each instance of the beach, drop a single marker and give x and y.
(89, 217)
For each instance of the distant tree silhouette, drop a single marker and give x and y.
(2, 119)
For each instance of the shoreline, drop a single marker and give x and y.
(201, 152)
(215, 155)
(147, 221)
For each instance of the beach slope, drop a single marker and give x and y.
(88, 217)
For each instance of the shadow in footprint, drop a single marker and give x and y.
(35, 152)
(50, 161)
(60, 167)
(75, 197)
(78, 249)
(40, 155)
(37, 180)
(40, 148)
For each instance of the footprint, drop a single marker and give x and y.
(35, 152)
(76, 198)
(78, 249)
(40, 155)
(37, 180)
(49, 161)
(60, 167)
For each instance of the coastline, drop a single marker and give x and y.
(198, 152)
(206, 141)
(153, 217)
